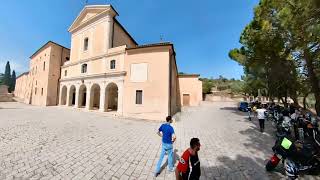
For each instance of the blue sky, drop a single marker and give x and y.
(202, 31)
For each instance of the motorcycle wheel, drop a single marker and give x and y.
(270, 166)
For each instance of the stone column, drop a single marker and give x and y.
(120, 98)
(68, 96)
(77, 97)
(60, 96)
(88, 98)
(102, 97)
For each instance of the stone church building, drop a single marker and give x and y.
(107, 70)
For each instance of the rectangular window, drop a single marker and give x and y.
(84, 68)
(113, 64)
(41, 91)
(44, 66)
(139, 97)
(65, 72)
(86, 44)
(35, 91)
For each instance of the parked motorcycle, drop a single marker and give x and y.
(283, 127)
(297, 156)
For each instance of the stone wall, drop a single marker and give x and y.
(6, 97)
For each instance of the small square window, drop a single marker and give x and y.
(138, 96)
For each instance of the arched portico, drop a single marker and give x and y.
(72, 96)
(82, 96)
(111, 97)
(63, 95)
(94, 97)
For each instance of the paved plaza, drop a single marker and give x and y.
(66, 143)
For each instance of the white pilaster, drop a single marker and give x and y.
(120, 98)
(88, 98)
(68, 96)
(102, 97)
(77, 97)
(60, 96)
(109, 32)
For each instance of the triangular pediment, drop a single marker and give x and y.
(90, 12)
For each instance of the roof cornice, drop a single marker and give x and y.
(108, 10)
(42, 47)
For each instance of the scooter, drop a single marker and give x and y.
(283, 127)
(297, 156)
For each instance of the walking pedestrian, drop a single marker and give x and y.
(261, 114)
(166, 131)
(189, 159)
(249, 112)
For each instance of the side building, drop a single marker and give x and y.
(40, 86)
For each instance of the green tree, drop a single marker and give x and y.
(301, 23)
(13, 81)
(272, 53)
(7, 75)
(206, 86)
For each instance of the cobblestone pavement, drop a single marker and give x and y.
(65, 143)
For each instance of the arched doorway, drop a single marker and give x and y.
(82, 96)
(72, 96)
(112, 97)
(95, 97)
(63, 100)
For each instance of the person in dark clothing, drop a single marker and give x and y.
(195, 165)
(249, 112)
(189, 158)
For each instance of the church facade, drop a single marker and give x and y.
(107, 70)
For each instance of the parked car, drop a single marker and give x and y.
(243, 106)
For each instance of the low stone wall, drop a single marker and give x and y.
(213, 98)
(6, 98)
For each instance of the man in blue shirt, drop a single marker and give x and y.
(166, 131)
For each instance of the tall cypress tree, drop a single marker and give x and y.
(13, 81)
(7, 75)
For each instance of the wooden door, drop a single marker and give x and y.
(186, 99)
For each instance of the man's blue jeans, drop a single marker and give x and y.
(166, 148)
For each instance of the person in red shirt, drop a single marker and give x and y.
(189, 158)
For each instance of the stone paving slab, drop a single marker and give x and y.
(65, 143)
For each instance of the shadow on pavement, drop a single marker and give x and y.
(234, 110)
(239, 168)
(176, 157)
